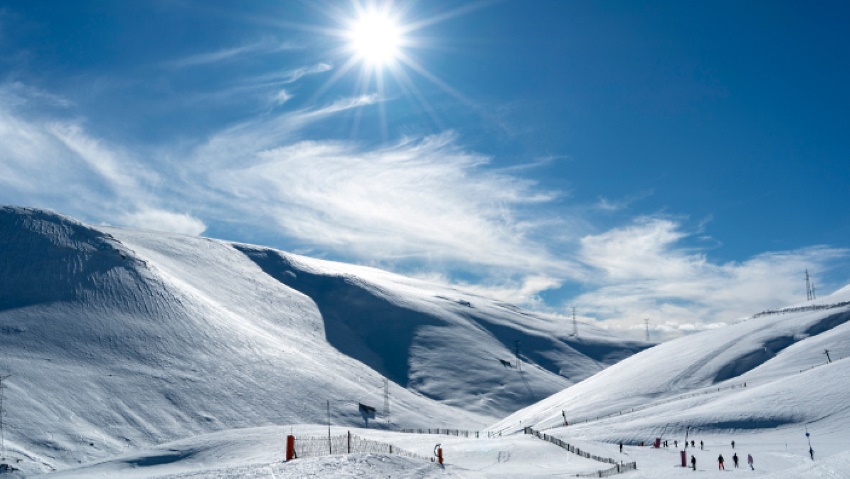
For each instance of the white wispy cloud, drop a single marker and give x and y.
(427, 199)
(266, 89)
(282, 96)
(115, 168)
(642, 270)
(338, 106)
(16, 94)
(620, 204)
(163, 220)
(263, 46)
(240, 143)
(58, 165)
(292, 76)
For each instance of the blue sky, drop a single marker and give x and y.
(679, 161)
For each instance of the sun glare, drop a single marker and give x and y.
(376, 38)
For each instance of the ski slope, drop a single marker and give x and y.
(117, 340)
(145, 355)
(764, 383)
(258, 453)
(695, 379)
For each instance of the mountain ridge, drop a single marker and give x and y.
(118, 338)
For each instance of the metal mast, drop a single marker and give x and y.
(575, 324)
(810, 287)
(387, 399)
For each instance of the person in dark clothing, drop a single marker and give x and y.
(676, 443)
(692, 443)
(733, 444)
(735, 459)
(621, 448)
(720, 465)
(694, 462)
(812, 453)
(750, 461)
(700, 446)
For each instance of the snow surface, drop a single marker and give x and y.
(144, 355)
(118, 340)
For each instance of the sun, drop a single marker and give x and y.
(376, 45)
(376, 38)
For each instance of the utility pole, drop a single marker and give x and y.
(2, 413)
(825, 351)
(518, 364)
(330, 448)
(646, 320)
(810, 287)
(387, 400)
(575, 324)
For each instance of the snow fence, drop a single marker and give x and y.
(315, 446)
(618, 466)
(447, 432)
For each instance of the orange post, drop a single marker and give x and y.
(290, 448)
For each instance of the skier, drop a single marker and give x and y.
(676, 443)
(700, 446)
(621, 448)
(694, 462)
(720, 463)
(735, 459)
(692, 443)
(750, 461)
(733, 444)
(812, 453)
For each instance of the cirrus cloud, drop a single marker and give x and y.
(642, 270)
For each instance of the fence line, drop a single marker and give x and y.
(316, 446)
(446, 432)
(798, 309)
(618, 466)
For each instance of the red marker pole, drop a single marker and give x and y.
(290, 448)
(438, 451)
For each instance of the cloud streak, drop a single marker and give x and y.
(425, 199)
(57, 164)
(641, 271)
(264, 46)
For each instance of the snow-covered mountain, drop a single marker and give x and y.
(785, 370)
(116, 339)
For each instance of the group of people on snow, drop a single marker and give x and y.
(720, 461)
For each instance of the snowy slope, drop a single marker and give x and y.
(763, 375)
(118, 339)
